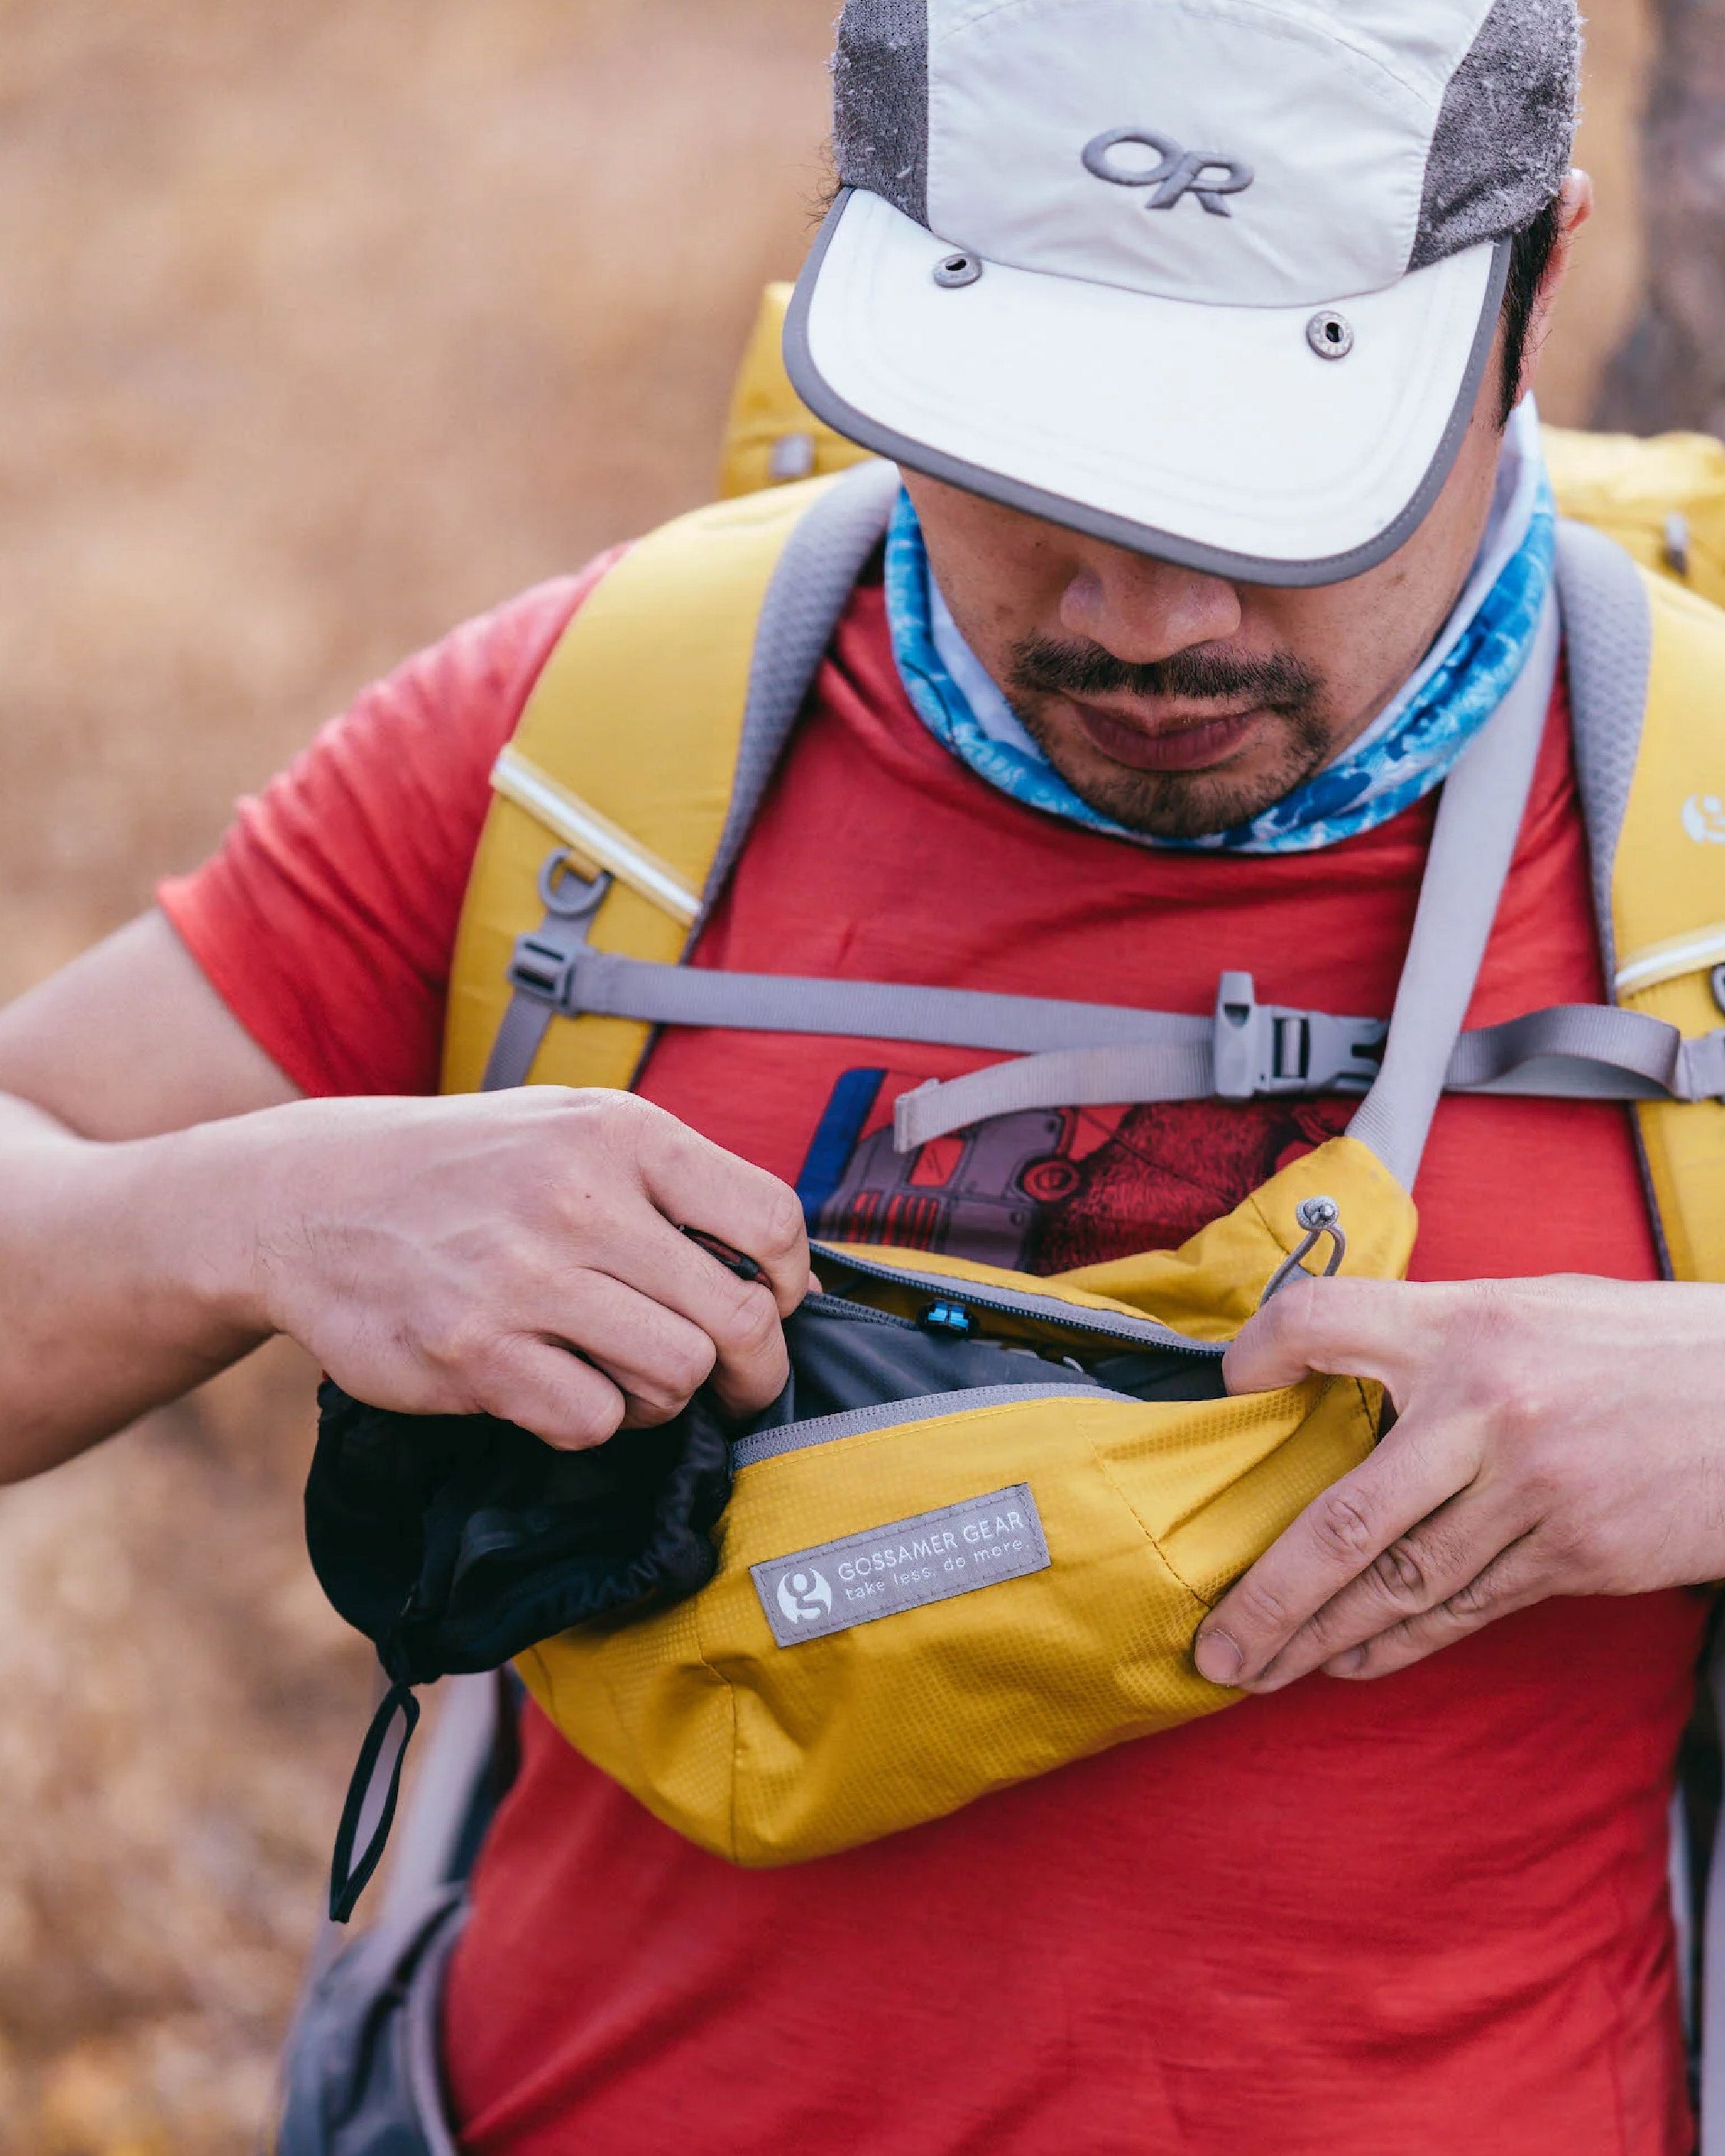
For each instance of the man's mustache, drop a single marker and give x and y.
(1043, 665)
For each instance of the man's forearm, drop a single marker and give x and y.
(126, 1276)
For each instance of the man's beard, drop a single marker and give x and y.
(1174, 805)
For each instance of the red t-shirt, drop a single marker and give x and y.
(1427, 1914)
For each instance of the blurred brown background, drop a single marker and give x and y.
(319, 328)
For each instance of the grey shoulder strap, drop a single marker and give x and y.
(1479, 820)
(1608, 638)
(811, 585)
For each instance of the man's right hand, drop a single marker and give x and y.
(520, 1254)
(171, 1199)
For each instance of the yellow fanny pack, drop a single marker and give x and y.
(921, 1599)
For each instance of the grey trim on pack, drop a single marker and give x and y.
(824, 1429)
(1479, 820)
(1506, 129)
(847, 420)
(1608, 638)
(881, 101)
(810, 589)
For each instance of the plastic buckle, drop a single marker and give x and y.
(546, 960)
(1265, 1050)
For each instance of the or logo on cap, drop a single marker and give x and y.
(804, 1596)
(1704, 820)
(1206, 175)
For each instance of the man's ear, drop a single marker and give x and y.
(1575, 205)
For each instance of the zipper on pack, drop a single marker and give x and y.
(1070, 1317)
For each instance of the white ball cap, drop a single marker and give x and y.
(1214, 280)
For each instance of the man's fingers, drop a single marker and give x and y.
(654, 1356)
(1419, 1572)
(737, 1319)
(1356, 1328)
(550, 1391)
(1338, 1535)
(697, 1184)
(1515, 1578)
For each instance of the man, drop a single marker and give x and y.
(1224, 532)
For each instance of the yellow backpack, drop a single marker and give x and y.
(774, 1717)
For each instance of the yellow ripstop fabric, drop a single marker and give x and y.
(638, 713)
(1668, 907)
(771, 436)
(770, 1755)
(1632, 489)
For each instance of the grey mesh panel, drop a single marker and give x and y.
(1608, 638)
(881, 101)
(1478, 822)
(810, 589)
(1505, 131)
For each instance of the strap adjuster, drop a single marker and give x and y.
(1263, 1050)
(541, 969)
(546, 960)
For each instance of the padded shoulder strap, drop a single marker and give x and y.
(1666, 907)
(646, 746)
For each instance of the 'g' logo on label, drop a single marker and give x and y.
(804, 1596)
(1704, 820)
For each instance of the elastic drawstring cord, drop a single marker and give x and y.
(348, 1881)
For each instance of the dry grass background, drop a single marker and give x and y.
(320, 327)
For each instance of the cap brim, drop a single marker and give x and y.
(1211, 436)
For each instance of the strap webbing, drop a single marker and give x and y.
(1478, 822)
(1575, 1051)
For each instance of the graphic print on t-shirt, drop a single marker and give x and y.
(1046, 1189)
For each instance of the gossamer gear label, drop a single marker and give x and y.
(928, 1558)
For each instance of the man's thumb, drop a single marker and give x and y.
(1356, 1328)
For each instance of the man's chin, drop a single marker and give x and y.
(1180, 805)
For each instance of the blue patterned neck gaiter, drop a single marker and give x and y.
(1406, 752)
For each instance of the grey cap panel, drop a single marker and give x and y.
(844, 418)
(1506, 129)
(881, 101)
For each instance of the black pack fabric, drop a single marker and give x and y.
(456, 1541)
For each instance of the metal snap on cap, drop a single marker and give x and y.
(952, 271)
(1330, 335)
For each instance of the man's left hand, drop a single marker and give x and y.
(1556, 1436)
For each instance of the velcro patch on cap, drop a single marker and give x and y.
(929, 1557)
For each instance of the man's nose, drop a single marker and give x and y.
(1143, 610)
